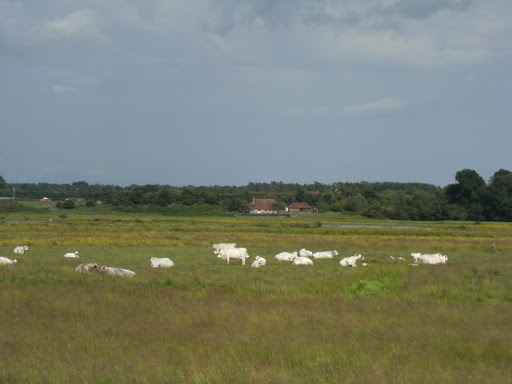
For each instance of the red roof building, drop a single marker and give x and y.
(262, 206)
(299, 207)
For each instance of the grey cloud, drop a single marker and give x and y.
(225, 15)
(326, 18)
(419, 9)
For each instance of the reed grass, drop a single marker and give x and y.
(203, 321)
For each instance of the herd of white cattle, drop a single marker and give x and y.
(229, 251)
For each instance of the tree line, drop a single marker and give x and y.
(470, 198)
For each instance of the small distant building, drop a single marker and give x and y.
(262, 206)
(46, 200)
(300, 208)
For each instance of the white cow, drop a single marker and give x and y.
(305, 253)
(87, 267)
(286, 256)
(233, 253)
(258, 262)
(433, 258)
(351, 260)
(21, 249)
(161, 262)
(325, 254)
(112, 271)
(72, 255)
(218, 246)
(300, 260)
(6, 261)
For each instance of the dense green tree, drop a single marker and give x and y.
(187, 197)
(498, 197)
(236, 204)
(300, 195)
(468, 193)
(353, 203)
(278, 206)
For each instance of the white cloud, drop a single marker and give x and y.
(80, 25)
(387, 103)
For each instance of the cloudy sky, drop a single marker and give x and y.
(225, 92)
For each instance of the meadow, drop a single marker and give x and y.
(204, 321)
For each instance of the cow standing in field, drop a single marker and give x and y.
(218, 246)
(232, 253)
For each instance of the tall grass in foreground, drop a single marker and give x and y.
(203, 321)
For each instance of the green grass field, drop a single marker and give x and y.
(203, 321)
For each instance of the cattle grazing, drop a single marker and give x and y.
(305, 253)
(233, 253)
(164, 262)
(112, 271)
(299, 260)
(258, 262)
(286, 256)
(73, 255)
(6, 261)
(351, 261)
(325, 254)
(87, 267)
(21, 249)
(433, 258)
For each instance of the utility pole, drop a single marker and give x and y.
(13, 190)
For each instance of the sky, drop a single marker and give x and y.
(227, 92)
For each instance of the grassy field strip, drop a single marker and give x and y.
(204, 321)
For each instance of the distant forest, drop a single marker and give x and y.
(470, 198)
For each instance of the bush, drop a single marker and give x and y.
(66, 204)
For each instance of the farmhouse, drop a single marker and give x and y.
(46, 199)
(262, 206)
(300, 208)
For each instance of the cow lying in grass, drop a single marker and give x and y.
(299, 260)
(111, 271)
(325, 254)
(285, 256)
(6, 261)
(21, 249)
(163, 262)
(351, 261)
(258, 262)
(433, 258)
(87, 267)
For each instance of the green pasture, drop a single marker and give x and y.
(204, 321)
